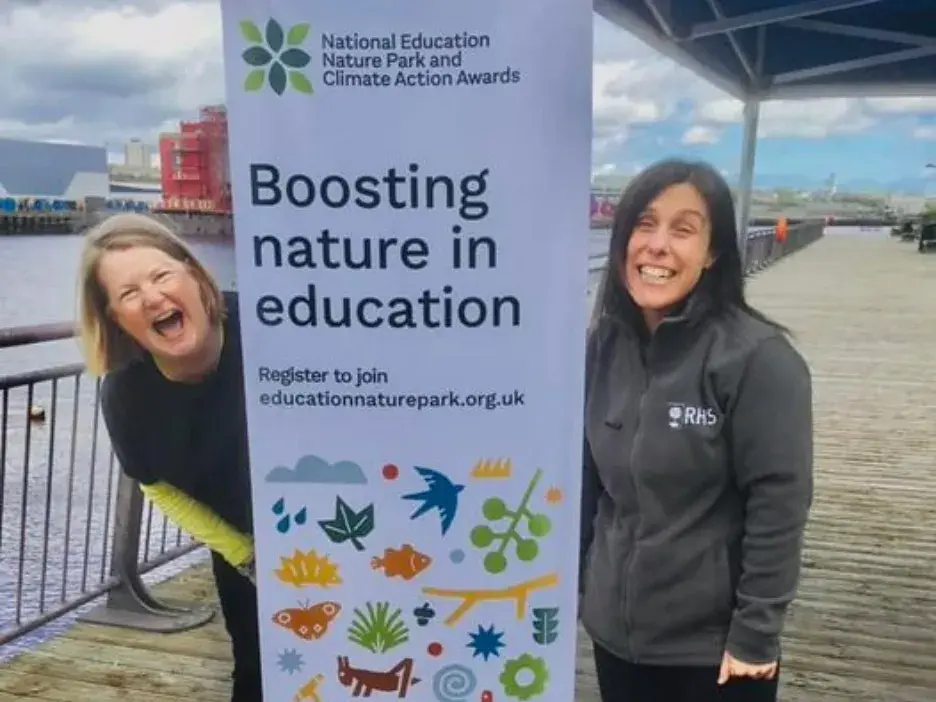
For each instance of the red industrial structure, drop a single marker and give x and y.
(196, 175)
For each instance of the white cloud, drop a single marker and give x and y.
(700, 134)
(925, 132)
(912, 105)
(806, 119)
(113, 72)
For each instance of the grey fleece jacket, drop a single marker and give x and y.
(697, 486)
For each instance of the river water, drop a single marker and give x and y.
(57, 484)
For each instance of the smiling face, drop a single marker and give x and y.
(157, 301)
(668, 251)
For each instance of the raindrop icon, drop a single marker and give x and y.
(282, 526)
(300, 517)
(279, 506)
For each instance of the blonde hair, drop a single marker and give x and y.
(104, 344)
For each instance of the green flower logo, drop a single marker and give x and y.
(276, 57)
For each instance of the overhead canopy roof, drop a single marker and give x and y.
(792, 48)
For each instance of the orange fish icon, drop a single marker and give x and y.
(309, 623)
(405, 562)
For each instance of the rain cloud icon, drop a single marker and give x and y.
(313, 469)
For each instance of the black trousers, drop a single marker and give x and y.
(238, 598)
(620, 681)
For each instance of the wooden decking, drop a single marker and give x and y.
(864, 626)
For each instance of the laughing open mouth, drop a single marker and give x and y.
(168, 323)
(655, 274)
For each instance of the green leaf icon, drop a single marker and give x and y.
(251, 32)
(297, 34)
(278, 78)
(254, 80)
(274, 36)
(257, 56)
(300, 83)
(295, 58)
(349, 525)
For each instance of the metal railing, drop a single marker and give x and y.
(763, 249)
(73, 527)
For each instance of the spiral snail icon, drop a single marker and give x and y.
(453, 683)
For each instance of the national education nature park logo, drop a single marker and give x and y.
(276, 57)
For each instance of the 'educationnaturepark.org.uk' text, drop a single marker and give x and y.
(387, 400)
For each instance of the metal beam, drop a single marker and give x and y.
(612, 11)
(715, 7)
(746, 176)
(772, 16)
(761, 49)
(664, 18)
(853, 65)
(848, 30)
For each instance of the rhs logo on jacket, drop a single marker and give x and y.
(681, 415)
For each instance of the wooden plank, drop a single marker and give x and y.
(89, 663)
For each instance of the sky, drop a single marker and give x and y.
(104, 71)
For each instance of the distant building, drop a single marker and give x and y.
(36, 169)
(194, 162)
(137, 154)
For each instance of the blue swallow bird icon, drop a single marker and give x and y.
(442, 495)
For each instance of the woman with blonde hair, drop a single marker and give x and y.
(166, 340)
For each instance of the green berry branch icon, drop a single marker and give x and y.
(276, 57)
(495, 509)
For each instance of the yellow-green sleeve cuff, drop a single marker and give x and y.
(201, 523)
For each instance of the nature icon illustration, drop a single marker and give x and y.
(363, 681)
(315, 469)
(486, 642)
(276, 57)
(442, 495)
(424, 614)
(378, 630)
(304, 569)
(454, 683)
(286, 521)
(310, 691)
(404, 562)
(310, 622)
(545, 625)
(348, 524)
(290, 661)
(495, 509)
(524, 677)
(492, 469)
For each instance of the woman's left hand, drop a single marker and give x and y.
(731, 667)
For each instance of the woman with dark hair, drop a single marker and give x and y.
(698, 456)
